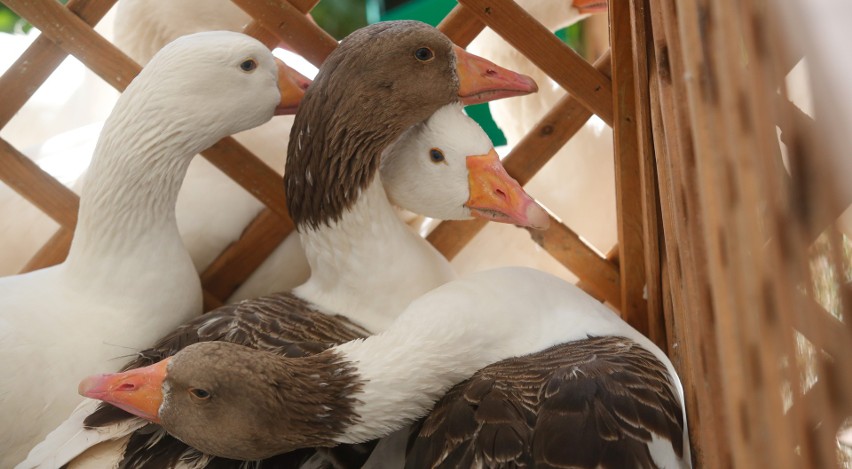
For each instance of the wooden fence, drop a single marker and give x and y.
(713, 237)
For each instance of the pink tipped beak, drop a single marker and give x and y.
(496, 196)
(138, 391)
(590, 6)
(481, 81)
(292, 86)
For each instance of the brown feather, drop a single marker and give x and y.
(591, 403)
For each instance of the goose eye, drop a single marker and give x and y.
(424, 54)
(248, 65)
(436, 155)
(199, 393)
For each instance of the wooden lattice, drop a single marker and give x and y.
(706, 277)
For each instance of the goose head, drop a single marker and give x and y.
(381, 80)
(231, 73)
(235, 402)
(447, 168)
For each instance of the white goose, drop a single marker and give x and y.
(128, 278)
(577, 184)
(353, 239)
(586, 390)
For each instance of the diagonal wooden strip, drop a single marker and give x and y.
(592, 88)
(461, 25)
(40, 188)
(599, 275)
(527, 158)
(34, 66)
(292, 26)
(54, 251)
(241, 258)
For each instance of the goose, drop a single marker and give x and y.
(577, 184)
(576, 387)
(212, 210)
(366, 264)
(127, 263)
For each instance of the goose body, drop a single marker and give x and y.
(127, 266)
(354, 241)
(575, 361)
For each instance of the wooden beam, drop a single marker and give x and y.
(591, 88)
(24, 77)
(628, 170)
(54, 251)
(461, 25)
(38, 187)
(291, 25)
(236, 263)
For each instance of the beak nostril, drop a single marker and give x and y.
(126, 387)
(491, 72)
(501, 194)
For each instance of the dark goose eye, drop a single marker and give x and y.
(436, 155)
(424, 54)
(248, 65)
(199, 393)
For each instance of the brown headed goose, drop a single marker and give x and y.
(584, 389)
(128, 278)
(366, 264)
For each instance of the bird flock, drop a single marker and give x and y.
(360, 345)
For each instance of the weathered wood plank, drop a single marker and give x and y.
(628, 171)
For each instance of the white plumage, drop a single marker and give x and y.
(128, 278)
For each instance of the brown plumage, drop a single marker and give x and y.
(353, 110)
(586, 404)
(282, 324)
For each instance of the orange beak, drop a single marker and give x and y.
(292, 85)
(495, 196)
(138, 391)
(481, 81)
(590, 6)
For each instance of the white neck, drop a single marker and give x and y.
(453, 331)
(369, 265)
(127, 206)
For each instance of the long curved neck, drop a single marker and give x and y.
(127, 205)
(369, 265)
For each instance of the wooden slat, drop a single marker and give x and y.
(600, 277)
(241, 258)
(34, 66)
(530, 154)
(694, 329)
(591, 88)
(40, 188)
(251, 173)
(54, 251)
(461, 25)
(628, 176)
(291, 25)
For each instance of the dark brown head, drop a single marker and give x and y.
(380, 80)
(235, 402)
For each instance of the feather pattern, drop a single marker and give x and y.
(281, 323)
(591, 403)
